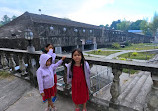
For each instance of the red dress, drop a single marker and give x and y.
(80, 92)
(48, 93)
(51, 91)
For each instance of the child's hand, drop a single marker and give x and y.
(42, 94)
(50, 49)
(63, 57)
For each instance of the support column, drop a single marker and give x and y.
(82, 47)
(95, 46)
(32, 68)
(58, 50)
(152, 97)
(22, 65)
(115, 89)
(4, 61)
(12, 63)
(67, 87)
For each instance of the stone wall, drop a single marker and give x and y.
(19, 43)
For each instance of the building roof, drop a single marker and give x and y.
(135, 31)
(59, 21)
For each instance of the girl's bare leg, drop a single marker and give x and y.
(84, 106)
(77, 105)
(50, 103)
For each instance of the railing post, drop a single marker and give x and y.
(67, 88)
(152, 97)
(22, 65)
(32, 68)
(115, 89)
(4, 61)
(12, 63)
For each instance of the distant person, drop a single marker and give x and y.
(45, 77)
(78, 73)
(49, 49)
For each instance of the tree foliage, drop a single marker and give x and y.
(114, 24)
(135, 25)
(124, 25)
(154, 23)
(6, 19)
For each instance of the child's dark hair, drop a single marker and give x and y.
(49, 45)
(82, 59)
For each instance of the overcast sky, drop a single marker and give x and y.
(96, 12)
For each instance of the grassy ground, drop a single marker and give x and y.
(131, 71)
(99, 52)
(141, 46)
(140, 56)
(4, 74)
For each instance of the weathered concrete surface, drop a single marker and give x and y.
(11, 89)
(31, 101)
(17, 95)
(134, 90)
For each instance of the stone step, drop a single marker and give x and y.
(9, 86)
(127, 82)
(141, 97)
(135, 90)
(128, 88)
(4, 82)
(131, 97)
(11, 95)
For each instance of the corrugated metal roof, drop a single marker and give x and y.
(59, 21)
(135, 31)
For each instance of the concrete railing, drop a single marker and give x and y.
(10, 58)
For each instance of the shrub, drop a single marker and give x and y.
(116, 45)
(99, 50)
(134, 54)
(127, 43)
(122, 58)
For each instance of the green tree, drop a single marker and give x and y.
(145, 27)
(107, 26)
(114, 24)
(135, 25)
(101, 25)
(154, 24)
(13, 17)
(5, 20)
(124, 25)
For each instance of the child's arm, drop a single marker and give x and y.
(88, 68)
(40, 81)
(58, 63)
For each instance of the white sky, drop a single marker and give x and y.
(96, 12)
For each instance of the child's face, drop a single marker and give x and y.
(77, 57)
(49, 62)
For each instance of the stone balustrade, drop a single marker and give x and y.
(29, 62)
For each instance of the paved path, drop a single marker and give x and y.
(31, 101)
(11, 89)
(17, 95)
(111, 56)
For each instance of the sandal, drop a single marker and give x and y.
(77, 109)
(54, 109)
(48, 109)
(84, 110)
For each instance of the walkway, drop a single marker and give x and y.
(17, 95)
(111, 56)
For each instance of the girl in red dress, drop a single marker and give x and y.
(78, 73)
